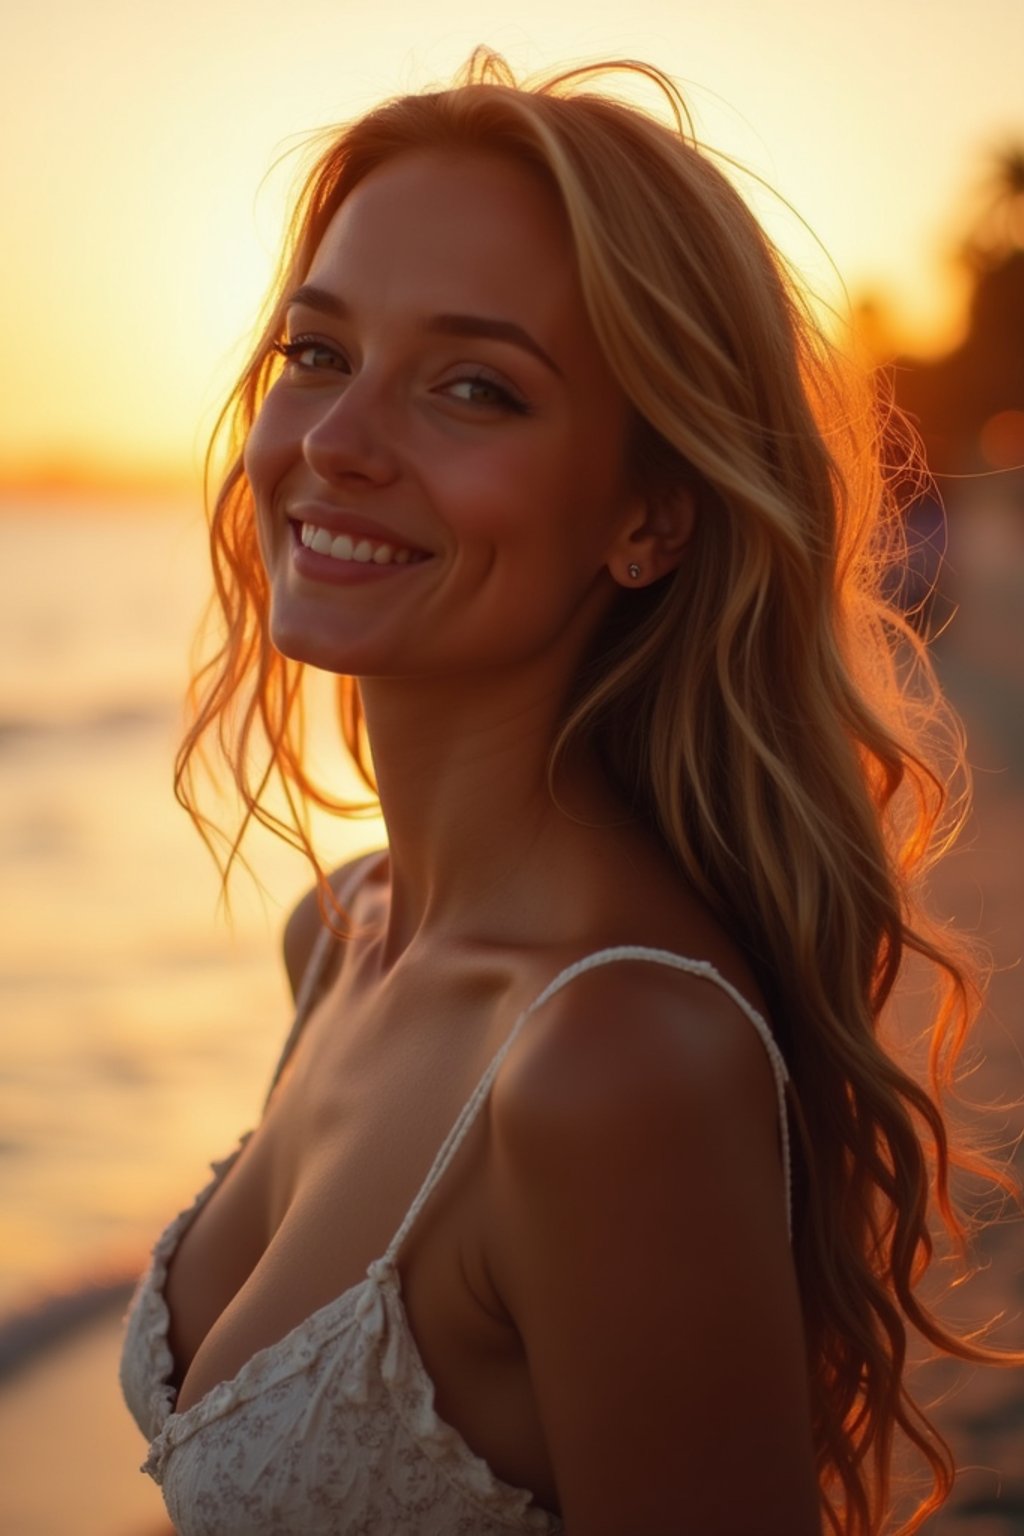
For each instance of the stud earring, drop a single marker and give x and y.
(633, 569)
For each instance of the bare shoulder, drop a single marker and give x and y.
(641, 1250)
(304, 923)
(627, 1040)
(648, 1087)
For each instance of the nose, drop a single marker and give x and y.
(352, 436)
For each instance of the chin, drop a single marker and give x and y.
(320, 645)
(301, 642)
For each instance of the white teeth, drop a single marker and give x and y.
(342, 546)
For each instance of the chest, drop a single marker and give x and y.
(322, 1187)
(369, 1095)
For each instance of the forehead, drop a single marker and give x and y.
(434, 232)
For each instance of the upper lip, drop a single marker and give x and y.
(338, 520)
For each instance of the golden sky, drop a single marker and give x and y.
(136, 135)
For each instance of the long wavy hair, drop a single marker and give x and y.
(763, 708)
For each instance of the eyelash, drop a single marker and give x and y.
(505, 399)
(290, 350)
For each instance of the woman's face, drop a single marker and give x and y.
(438, 471)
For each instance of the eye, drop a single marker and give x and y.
(311, 354)
(479, 389)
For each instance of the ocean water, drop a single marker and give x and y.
(137, 1030)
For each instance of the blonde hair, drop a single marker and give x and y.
(763, 709)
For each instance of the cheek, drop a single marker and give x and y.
(268, 450)
(268, 453)
(536, 490)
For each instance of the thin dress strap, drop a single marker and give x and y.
(319, 959)
(471, 1109)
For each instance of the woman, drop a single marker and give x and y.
(539, 454)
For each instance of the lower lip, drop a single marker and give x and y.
(344, 573)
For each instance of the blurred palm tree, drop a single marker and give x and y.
(969, 404)
(998, 226)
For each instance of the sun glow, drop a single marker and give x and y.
(144, 222)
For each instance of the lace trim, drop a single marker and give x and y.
(147, 1364)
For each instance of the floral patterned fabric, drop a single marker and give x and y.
(331, 1430)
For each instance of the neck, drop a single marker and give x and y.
(474, 829)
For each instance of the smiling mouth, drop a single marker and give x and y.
(361, 551)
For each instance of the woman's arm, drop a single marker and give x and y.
(642, 1252)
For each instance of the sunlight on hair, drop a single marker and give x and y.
(767, 710)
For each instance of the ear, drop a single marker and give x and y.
(651, 539)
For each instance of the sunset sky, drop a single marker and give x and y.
(139, 229)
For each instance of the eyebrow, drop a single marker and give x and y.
(444, 325)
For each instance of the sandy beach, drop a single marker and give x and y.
(70, 1453)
